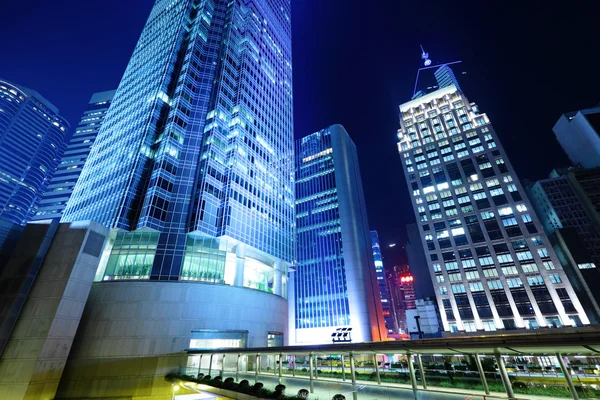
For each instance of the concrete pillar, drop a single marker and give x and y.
(274, 364)
(377, 369)
(240, 260)
(200, 365)
(565, 372)
(257, 367)
(504, 376)
(353, 375)
(237, 368)
(210, 364)
(486, 389)
(422, 371)
(223, 366)
(411, 371)
(316, 367)
(343, 368)
(293, 365)
(280, 366)
(310, 364)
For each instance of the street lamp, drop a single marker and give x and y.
(175, 388)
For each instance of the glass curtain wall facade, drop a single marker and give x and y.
(335, 281)
(54, 200)
(388, 313)
(193, 165)
(32, 135)
(490, 261)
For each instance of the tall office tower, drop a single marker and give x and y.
(491, 263)
(388, 312)
(335, 280)
(192, 171)
(54, 200)
(32, 137)
(579, 135)
(572, 224)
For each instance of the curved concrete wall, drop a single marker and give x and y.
(133, 333)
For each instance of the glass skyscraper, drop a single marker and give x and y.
(491, 263)
(388, 311)
(54, 200)
(32, 137)
(335, 279)
(193, 166)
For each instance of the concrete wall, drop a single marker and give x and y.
(36, 352)
(132, 333)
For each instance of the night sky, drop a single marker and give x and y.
(354, 63)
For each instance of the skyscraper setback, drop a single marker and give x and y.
(192, 170)
(491, 263)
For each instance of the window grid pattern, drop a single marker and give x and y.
(482, 220)
(205, 143)
(54, 200)
(321, 290)
(32, 137)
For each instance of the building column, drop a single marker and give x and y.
(256, 367)
(210, 364)
(200, 365)
(565, 372)
(353, 375)
(504, 376)
(411, 371)
(486, 389)
(310, 376)
(377, 369)
(223, 366)
(237, 368)
(240, 260)
(422, 371)
(280, 362)
(293, 365)
(274, 364)
(277, 285)
(343, 369)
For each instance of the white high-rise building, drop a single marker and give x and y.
(491, 263)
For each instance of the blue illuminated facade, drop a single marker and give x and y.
(32, 137)
(335, 280)
(54, 200)
(193, 166)
(386, 304)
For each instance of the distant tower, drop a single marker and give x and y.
(578, 133)
(386, 304)
(61, 186)
(32, 137)
(335, 280)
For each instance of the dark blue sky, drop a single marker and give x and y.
(354, 63)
